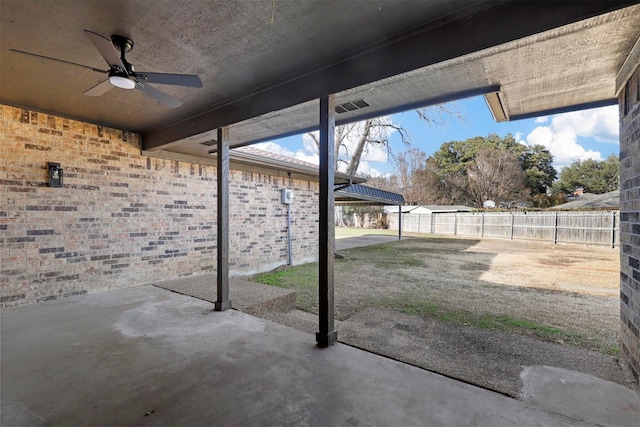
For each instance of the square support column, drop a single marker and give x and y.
(327, 335)
(222, 300)
(628, 91)
(400, 223)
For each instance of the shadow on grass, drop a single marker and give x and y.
(403, 276)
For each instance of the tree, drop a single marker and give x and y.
(496, 174)
(452, 157)
(537, 163)
(407, 164)
(353, 140)
(455, 159)
(592, 175)
(418, 179)
(373, 213)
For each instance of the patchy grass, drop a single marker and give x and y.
(441, 278)
(610, 349)
(412, 305)
(302, 278)
(392, 254)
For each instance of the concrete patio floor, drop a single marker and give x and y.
(148, 356)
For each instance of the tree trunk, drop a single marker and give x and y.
(357, 154)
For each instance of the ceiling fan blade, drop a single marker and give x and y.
(190, 80)
(99, 89)
(157, 95)
(106, 49)
(59, 60)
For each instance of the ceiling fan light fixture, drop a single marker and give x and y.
(122, 82)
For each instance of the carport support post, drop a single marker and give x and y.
(222, 301)
(327, 335)
(400, 222)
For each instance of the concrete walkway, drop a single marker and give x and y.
(364, 240)
(147, 356)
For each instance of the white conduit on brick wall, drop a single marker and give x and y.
(289, 234)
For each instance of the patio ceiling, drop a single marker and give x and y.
(264, 64)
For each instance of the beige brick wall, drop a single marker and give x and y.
(123, 219)
(630, 223)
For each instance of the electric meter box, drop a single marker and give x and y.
(287, 196)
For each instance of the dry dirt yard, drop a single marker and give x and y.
(477, 310)
(575, 289)
(520, 287)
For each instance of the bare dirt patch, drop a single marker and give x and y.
(571, 288)
(584, 270)
(527, 288)
(476, 310)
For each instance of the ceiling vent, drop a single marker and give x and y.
(351, 106)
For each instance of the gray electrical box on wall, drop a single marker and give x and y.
(287, 196)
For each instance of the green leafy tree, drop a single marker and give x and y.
(537, 163)
(455, 159)
(593, 176)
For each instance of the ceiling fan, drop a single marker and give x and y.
(122, 74)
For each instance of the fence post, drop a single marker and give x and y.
(512, 216)
(419, 221)
(455, 224)
(432, 222)
(482, 225)
(555, 229)
(613, 230)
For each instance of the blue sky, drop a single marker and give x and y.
(569, 136)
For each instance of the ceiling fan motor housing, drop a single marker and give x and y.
(122, 43)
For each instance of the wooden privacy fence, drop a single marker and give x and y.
(598, 228)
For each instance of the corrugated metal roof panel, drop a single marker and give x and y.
(364, 195)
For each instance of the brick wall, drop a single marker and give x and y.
(123, 219)
(630, 222)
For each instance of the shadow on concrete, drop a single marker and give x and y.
(148, 356)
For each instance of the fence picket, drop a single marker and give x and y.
(599, 228)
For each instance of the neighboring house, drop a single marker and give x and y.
(427, 209)
(610, 200)
(392, 212)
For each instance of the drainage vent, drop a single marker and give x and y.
(351, 106)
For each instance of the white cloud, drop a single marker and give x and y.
(275, 148)
(543, 119)
(366, 169)
(308, 144)
(598, 123)
(561, 135)
(518, 137)
(309, 150)
(309, 158)
(563, 145)
(309, 153)
(303, 155)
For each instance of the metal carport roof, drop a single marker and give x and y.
(357, 194)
